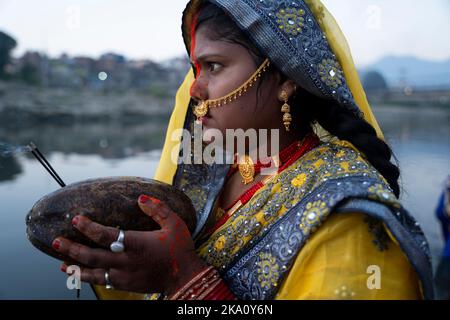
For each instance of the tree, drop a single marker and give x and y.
(374, 81)
(30, 74)
(7, 43)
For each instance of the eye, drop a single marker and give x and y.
(214, 66)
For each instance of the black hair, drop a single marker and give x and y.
(308, 108)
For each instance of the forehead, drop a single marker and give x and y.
(203, 45)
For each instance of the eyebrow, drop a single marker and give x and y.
(207, 56)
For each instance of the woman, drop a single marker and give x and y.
(326, 225)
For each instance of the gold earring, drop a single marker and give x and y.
(286, 109)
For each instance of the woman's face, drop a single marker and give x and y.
(221, 67)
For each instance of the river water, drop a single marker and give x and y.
(420, 138)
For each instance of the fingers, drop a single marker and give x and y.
(104, 236)
(97, 258)
(159, 212)
(96, 276)
(98, 233)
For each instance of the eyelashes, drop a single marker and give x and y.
(212, 67)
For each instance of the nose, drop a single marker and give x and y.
(199, 89)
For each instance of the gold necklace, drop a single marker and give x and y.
(202, 108)
(246, 168)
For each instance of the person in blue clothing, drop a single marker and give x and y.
(443, 271)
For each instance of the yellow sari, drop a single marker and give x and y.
(337, 260)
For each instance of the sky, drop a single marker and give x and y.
(150, 29)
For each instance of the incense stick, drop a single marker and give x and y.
(40, 157)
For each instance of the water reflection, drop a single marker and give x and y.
(10, 168)
(112, 139)
(404, 125)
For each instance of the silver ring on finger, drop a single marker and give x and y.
(108, 284)
(118, 246)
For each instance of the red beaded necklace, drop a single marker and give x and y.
(286, 157)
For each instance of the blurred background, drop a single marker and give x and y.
(93, 85)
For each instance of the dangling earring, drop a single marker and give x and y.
(286, 109)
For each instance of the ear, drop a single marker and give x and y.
(287, 86)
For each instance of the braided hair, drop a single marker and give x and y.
(345, 125)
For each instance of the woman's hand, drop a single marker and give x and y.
(153, 262)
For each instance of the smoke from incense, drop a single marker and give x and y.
(9, 150)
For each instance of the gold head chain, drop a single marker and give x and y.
(202, 108)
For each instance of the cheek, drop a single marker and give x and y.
(243, 113)
(240, 114)
(231, 78)
(269, 107)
